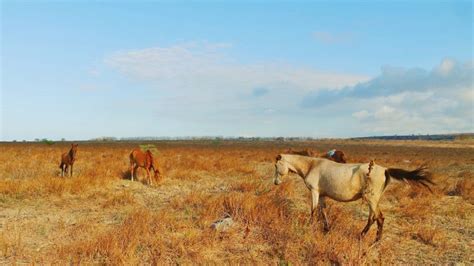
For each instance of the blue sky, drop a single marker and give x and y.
(85, 69)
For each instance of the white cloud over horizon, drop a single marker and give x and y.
(201, 84)
(198, 65)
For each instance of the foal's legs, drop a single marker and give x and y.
(322, 205)
(148, 175)
(132, 166)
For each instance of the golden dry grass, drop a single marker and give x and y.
(99, 216)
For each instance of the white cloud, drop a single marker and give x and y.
(201, 85)
(406, 101)
(361, 115)
(206, 67)
(446, 66)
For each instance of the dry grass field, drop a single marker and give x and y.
(99, 216)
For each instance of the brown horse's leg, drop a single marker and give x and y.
(322, 205)
(66, 168)
(380, 220)
(131, 171)
(135, 171)
(71, 169)
(148, 175)
(62, 169)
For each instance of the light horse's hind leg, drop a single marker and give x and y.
(374, 215)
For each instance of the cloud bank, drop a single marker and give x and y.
(204, 85)
(407, 101)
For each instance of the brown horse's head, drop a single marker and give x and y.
(339, 157)
(73, 150)
(157, 174)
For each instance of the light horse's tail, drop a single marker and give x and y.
(419, 176)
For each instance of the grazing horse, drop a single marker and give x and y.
(333, 155)
(144, 160)
(346, 182)
(67, 159)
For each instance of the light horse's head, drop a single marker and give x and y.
(282, 169)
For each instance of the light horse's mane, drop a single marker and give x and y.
(346, 182)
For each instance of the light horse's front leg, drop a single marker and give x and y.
(322, 205)
(314, 203)
(318, 202)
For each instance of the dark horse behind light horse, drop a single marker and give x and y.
(68, 159)
(144, 160)
(333, 155)
(346, 182)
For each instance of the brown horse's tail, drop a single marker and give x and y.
(419, 176)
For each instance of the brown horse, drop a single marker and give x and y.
(333, 155)
(144, 160)
(67, 159)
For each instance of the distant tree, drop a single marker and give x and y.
(47, 142)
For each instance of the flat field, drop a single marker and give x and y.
(100, 216)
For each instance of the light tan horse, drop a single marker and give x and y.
(346, 182)
(144, 160)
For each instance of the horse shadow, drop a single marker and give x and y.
(126, 175)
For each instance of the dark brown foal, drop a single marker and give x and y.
(67, 159)
(333, 155)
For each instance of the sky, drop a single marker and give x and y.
(85, 69)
